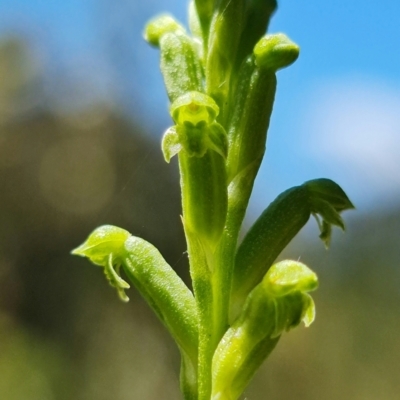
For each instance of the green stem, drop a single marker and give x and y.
(201, 278)
(201, 232)
(239, 192)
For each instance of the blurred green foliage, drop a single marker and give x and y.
(64, 334)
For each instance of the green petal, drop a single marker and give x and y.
(309, 314)
(170, 144)
(217, 139)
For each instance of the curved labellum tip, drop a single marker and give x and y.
(115, 280)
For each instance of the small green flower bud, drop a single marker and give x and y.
(159, 26)
(274, 52)
(194, 107)
(196, 131)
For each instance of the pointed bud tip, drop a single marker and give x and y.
(104, 240)
(79, 251)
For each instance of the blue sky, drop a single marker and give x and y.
(337, 108)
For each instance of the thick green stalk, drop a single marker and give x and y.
(204, 196)
(203, 185)
(201, 278)
(225, 253)
(201, 146)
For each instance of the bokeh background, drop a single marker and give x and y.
(82, 111)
